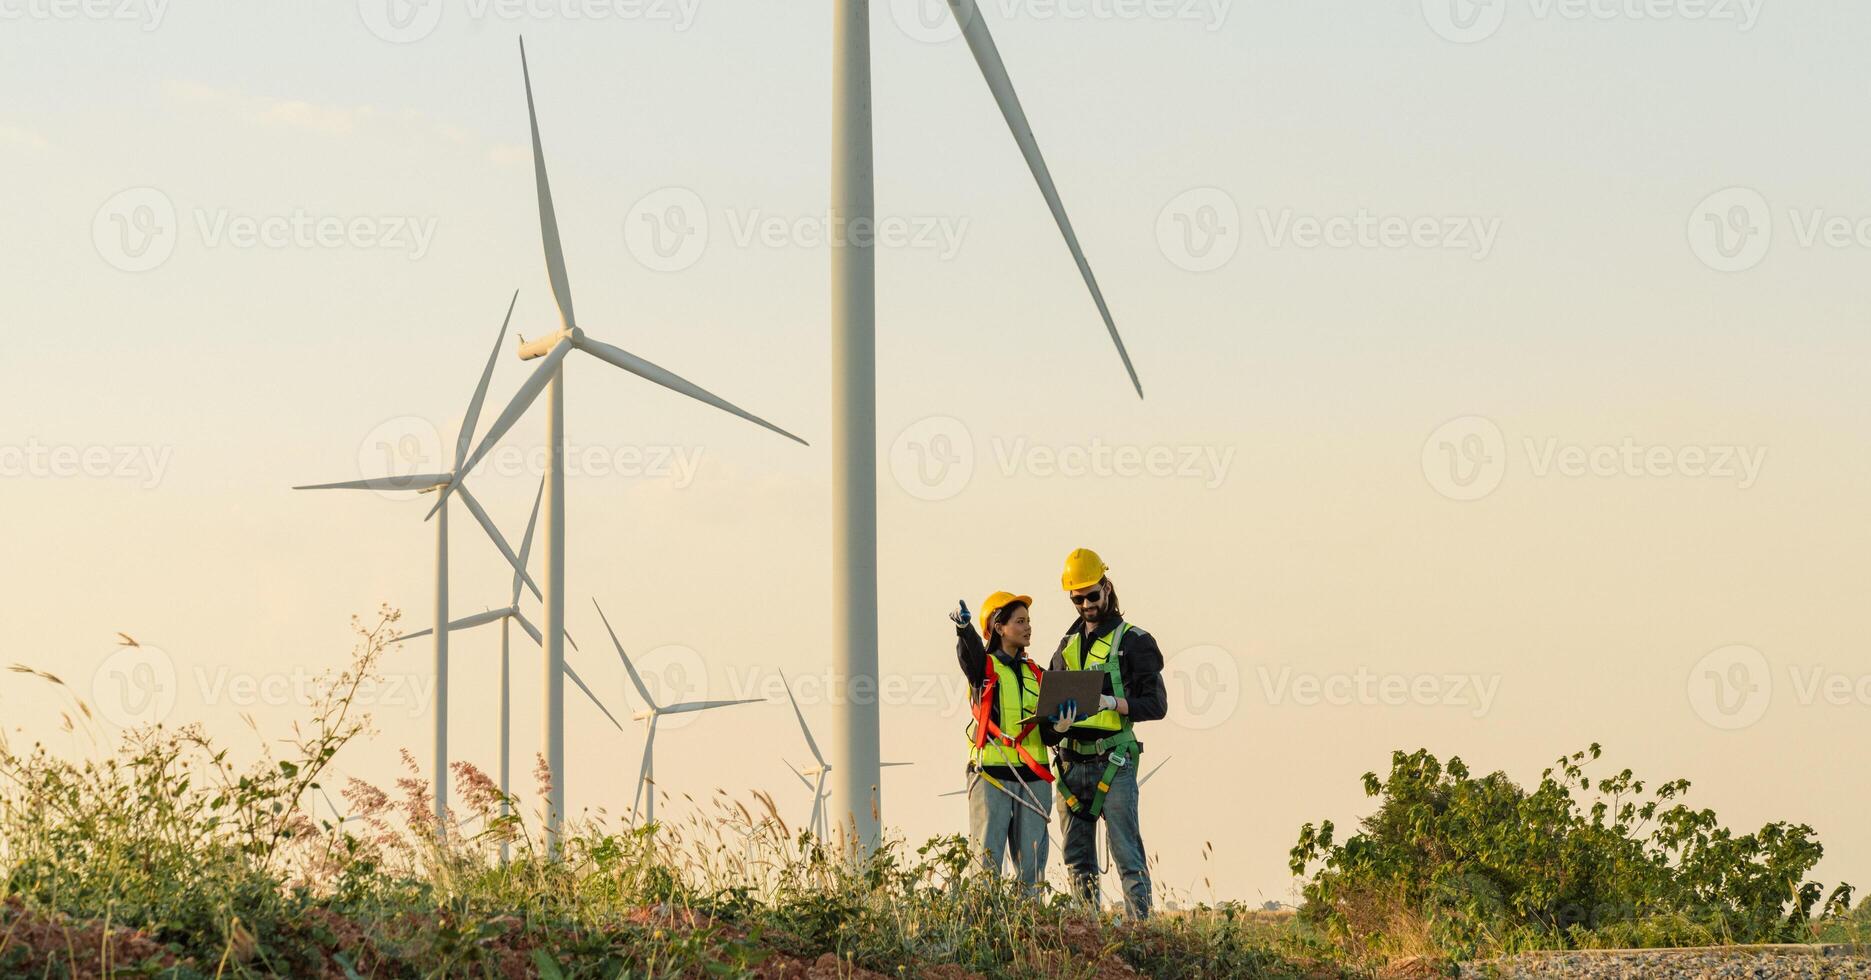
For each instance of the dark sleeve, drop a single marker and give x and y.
(972, 652)
(1143, 678)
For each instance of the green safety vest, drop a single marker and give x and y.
(1103, 656)
(1016, 697)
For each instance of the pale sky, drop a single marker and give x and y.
(1505, 370)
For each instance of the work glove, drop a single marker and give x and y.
(1107, 702)
(1064, 718)
(960, 615)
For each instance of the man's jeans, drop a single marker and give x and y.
(998, 825)
(1125, 833)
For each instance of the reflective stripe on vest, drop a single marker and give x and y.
(1016, 696)
(1103, 656)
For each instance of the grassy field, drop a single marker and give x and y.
(166, 857)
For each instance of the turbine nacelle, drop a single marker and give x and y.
(539, 347)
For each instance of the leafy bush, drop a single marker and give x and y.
(1454, 865)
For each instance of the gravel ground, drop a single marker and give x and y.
(1690, 964)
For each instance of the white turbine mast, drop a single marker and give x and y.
(856, 732)
(820, 821)
(549, 377)
(646, 776)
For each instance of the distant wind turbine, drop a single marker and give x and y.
(506, 617)
(424, 483)
(820, 822)
(549, 377)
(646, 776)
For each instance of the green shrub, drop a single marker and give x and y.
(1455, 865)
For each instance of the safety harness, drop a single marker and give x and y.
(1122, 746)
(986, 727)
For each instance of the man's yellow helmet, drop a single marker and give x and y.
(1083, 569)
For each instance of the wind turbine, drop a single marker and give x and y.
(646, 776)
(856, 729)
(820, 822)
(446, 482)
(551, 350)
(506, 618)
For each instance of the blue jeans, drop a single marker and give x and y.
(1000, 826)
(1122, 826)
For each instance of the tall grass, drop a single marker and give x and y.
(170, 856)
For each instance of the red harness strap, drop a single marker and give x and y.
(985, 726)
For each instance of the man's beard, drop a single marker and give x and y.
(1096, 615)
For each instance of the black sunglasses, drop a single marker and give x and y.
(1089, 598)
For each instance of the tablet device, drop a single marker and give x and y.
(1059, 686)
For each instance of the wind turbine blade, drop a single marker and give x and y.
(803, 781)
(643, 773)
(522, 400)
(493, 534)
(520, 577)
(413, 636)
(1158, 767)
(531, 630)
(473, 418)
(959, 792)
(644, 692)
(548, 218)
(810, 744)
(994, 70)
(705, 705)
(888, 765)
(580, 681)
(418, 481)
(479, 619)
(649, 372)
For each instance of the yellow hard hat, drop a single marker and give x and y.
(1083, 569)
(994, 604)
